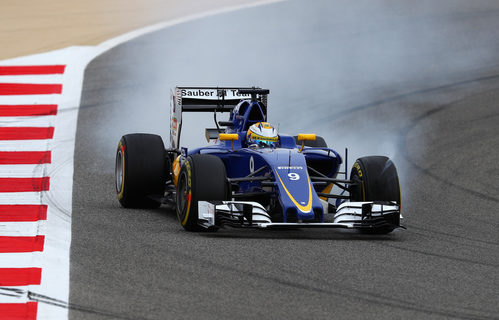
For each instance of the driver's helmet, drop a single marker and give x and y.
(262, 134)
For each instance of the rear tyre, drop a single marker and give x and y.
(140, 170)
(319, 142)
(377, 180)
(202, 178)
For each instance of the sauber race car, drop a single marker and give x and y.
(249, 176)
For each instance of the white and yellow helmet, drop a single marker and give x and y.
(263, 134)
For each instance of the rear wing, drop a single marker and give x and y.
(207, 99)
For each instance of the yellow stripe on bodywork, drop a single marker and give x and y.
(305, 208)
(327, 189)
(189, 195)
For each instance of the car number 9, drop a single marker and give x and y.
(293, 176)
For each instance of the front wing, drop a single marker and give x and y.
(350, 215)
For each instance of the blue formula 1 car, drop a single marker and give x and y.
(249, 176)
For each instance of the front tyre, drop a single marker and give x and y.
(202, 178)
(140, 171)
(376, 180)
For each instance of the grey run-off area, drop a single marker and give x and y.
(415, 80)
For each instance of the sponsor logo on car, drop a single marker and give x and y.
(211, 93)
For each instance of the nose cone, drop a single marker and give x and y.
(296, 185)
(296, 195)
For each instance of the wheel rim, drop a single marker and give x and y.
(182, 195)
(119, 171)
(356, 192)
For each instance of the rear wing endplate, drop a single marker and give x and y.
(207, 99)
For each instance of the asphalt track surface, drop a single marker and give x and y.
(411, 80)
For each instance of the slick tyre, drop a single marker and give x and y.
(140, 171)
(319, 142)
(202, 178)
(377, 180)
